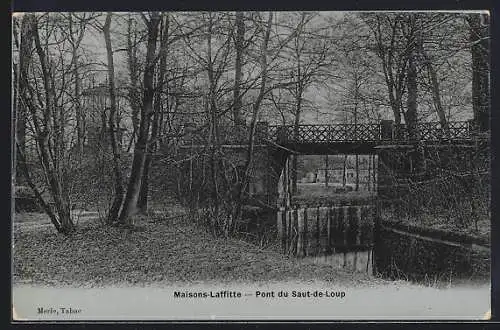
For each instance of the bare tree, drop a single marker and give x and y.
(479, 38)
(157, 111)
(140, 149)
(435, 89)
(309, 54)
(48, 118)
(409, 30)
(239, 44)
(77, 26)
(113, 129)
(386, 31)
(133, 67)
(255, 112)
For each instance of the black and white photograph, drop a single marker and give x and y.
(251, 165)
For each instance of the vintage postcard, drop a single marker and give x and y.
(256, 165)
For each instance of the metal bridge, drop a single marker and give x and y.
(430, 132)
(346, 138)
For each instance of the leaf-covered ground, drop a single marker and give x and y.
(165, 249)
(481, 232)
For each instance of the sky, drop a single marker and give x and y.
(320, 97)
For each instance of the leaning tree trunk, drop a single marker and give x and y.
(411, 115)
(356, 97)
(140, 150)
(80, 123)
(344, 170)
(479, 37)
(356, 186)
(239, 45)
(155, 130)
(436, 92)
(255, 112)
(411, 108)
(79, 114)
(214, 147)
(20, 88)
(119, 190)
(374, 174)
(369, 175)
(133, 91)
(327, 177)
(296, 124)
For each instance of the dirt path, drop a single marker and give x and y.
(31, 221)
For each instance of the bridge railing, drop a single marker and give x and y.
(455, 130)
(386, 131)
(432, 132)
(325, 133)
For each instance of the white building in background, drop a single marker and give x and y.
(337, 170)
(335, 176)
(96, 103)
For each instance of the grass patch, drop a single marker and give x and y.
(444, 223)
(164, 249)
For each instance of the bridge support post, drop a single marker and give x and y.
(384, 160)
(282, 134)
(383, 175)
(387, 130)
(261, 130)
